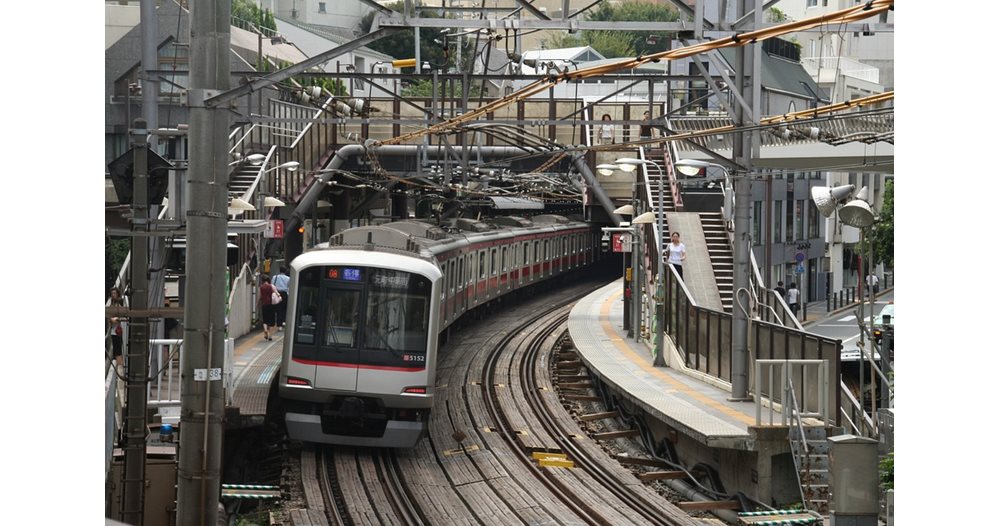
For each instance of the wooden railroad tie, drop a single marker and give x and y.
(611, 435)
(598, 416)
(707, 505)
(582, 398)
(575, 385)
(636, 461)
(662, 475)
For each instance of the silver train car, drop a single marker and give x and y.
(365, 314)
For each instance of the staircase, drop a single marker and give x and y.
(812, 465)
(655, 174)
(720, 252)
(242, 179)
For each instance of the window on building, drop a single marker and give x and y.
(800, 219)
(812, 3)
(173, 58)
(757, 238)
(359, 67)
(777, 219)
(789, 221)
(322, 7)
(814, 219)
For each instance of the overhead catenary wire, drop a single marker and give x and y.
(851, 14)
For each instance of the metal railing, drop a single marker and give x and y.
(815, 397)
(311, 145)
(852, 411)
(242, 303)
(166, 361)
(846, 66)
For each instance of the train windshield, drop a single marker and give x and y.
(397, 311)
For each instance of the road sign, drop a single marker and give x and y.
(800, 269)
(800, 257)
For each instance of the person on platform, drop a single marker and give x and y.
(606, 132)
(280, 282)
(645, 127)
(117, 326)
(780, 289)
(793, 299)
(268, 308)
(678, 253)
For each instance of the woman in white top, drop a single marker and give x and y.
(606, 132)
(677, 253)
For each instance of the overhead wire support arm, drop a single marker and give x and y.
(296, 69)
(843, 16)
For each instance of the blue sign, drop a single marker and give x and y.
(800, 257)
(799, 269)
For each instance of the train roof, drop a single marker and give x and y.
(423, 239)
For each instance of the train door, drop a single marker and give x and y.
(493, 283)
(460, 287)
(482, 278)
(524, 261)
(338, 352)
(504, 278)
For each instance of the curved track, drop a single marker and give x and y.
(495, 406)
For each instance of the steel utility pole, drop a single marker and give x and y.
(202, 402)
(747, 65)
(138, 344)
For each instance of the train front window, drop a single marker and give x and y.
(397, 313)
(342, 317)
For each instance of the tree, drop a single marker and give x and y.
(643, 42)
(400, 44)
(883, 229)
(247, 10)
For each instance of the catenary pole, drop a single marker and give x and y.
(138, 344)
(747, 69)
(202, 403)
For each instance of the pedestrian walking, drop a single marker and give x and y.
(280, 282)
(678, 253)
(793, 299)
(780, 289)
(606, 132)
(873, 283)
(265, 299)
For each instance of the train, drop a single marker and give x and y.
(366, 313)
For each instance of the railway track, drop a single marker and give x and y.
(494, 408)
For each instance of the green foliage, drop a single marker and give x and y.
(115, 251)
(633, 10)
(422, 88)
(885, 472)
(775, 15)
(247, 10)
(400, 44)
(883, 230)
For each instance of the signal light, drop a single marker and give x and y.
(302, 230)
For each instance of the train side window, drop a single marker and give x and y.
(525, 250)
(503, 259)
(482, 264)
(535, 252)
(461, 272)
(493, 262)
(545, 251)
(307, 309)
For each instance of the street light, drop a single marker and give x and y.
(606, 169)
(629, 165)
(856, 213)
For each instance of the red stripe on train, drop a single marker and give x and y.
(357, 366)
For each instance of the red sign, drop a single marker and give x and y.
(621, 242)
(275, 229)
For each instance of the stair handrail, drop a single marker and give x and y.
(670, 154)
(249, 192)
(803, 446)
(868, 425)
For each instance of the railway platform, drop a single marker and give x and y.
(693, 411)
